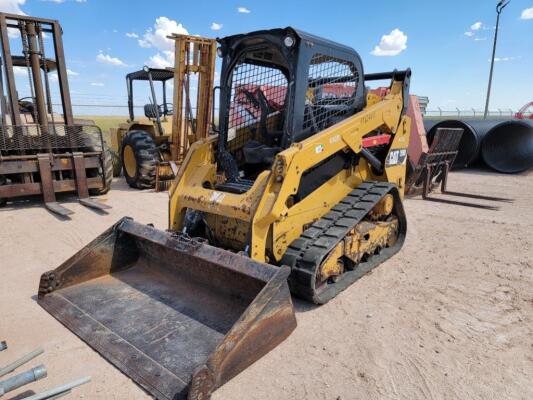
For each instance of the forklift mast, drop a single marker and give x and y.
(193, 55)
(41, 152)
(32, 31)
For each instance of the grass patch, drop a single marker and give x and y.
(105, 123)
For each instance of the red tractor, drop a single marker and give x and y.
(525, 112)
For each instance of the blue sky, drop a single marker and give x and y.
(446, 43)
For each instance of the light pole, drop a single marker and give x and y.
(499, 8)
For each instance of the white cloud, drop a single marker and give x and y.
(527, 13)
(20, 71)
(216, 27)
(243, 10)
(12, 6)
(97, 84)
(499, 59)
(157, 36)
(107, 59)
(132, 35)
(63, 1)
(164, 59)
(23, 71)
(72, 73)
(476, 27)
(392, 44)
(480, 39)
(469, 34)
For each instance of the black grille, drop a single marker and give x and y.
(57, 137)
(331, 92)
(250, 82)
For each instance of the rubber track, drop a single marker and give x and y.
(306, 253)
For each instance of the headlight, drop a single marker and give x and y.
(288, 41)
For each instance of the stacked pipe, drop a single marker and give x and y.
(504, 145)
(33, 375)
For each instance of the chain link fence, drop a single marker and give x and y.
(468, 113)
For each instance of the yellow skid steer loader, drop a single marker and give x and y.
(300, 187)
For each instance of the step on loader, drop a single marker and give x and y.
(300, 187)
(41, 152)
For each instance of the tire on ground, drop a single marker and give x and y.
(139, 157)
(117, 164)
(3, 181)
(106, 171)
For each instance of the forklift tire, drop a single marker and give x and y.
(106, 173)
(3, 181)
(117, 164)
(139, 156)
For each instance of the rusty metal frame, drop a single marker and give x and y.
(434, 167)
(34, 171)
(8, 68)
(193, 55)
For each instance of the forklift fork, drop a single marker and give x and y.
(45, 161)
(81, 184)
(434, 166)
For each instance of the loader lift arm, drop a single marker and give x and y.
(348, 134)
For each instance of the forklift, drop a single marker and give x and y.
(150, 149)
(43, 152)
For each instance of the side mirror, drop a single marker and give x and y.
(151, 111)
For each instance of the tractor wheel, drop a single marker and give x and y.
(106, 172)
(139, 156)
(117, 164)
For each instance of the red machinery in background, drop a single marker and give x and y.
(525, 112)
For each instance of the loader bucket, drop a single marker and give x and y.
(176, 315)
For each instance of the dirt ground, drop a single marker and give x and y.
(450, 317)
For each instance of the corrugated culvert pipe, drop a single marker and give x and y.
(508, 146)
(470, 144)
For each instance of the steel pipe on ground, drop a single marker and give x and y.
(504, 145)
(469, 146)
(508, 146)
